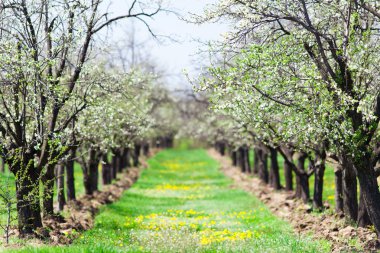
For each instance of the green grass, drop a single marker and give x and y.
(328, 184)
(183, 203)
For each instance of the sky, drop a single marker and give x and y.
(171, 56)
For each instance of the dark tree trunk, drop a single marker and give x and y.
(288, 174)
(255, 161)
(145, 149)
(246, 160)
(48, 190)
(106, 174)
(27, 195)
(274, 170)
(91, 176)
(318, 180)
(241, 159)
(222, 148)
(61, 186)
(234, 158)
(120, 161)
(106, 170)
(302, 180)
(350, 198)
(305, 190)
(263, 165)
(363, 217)
(288, 171)
(114, 165)
(370, 190)
(70, 179)
(136, 155)
(339, 190)
(128, 157)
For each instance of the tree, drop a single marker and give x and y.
(337, 45)
(44, 47)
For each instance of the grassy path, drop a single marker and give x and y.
(182, 203)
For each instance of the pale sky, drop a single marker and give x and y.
(171, 56)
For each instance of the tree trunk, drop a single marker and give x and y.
(128, 157)
(222, 148)
(363, 218)
(305, 190)
(241, 155)
(302, 180)
(370, 191)
(263, 165)
(27, 195)
(114, 165)
(106, 170)
(318, 182)
(61, 186)
(350, 198)
(246, 160)
(339, 190)
(145, 149)
(136, 155)
(70, 179)
(120, 161)
(274, 170)
(256, 164)
(48, 190)
(91, 177)
(106, 174)
(288, 174)
(234, 158)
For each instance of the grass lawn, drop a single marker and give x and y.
(183, 203)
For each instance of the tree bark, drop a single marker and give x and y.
(136, 155)
(48, 190)
(370, 190)
(242, 163)
(120, 160)
(256, 165)
(128, 157)
(234, 158)
(274, 170)
(302, 180)
(339, 190)
(363, 217)
(70, 179)
(61, 186)
(145, 149)
(27, 195)
(106, 174)
(106, 170)
(114, 165)
(246, 160)
(288, 174)
(222, 148)
(319, 173)
(263, 165)
(350, 198)
(91, 176)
